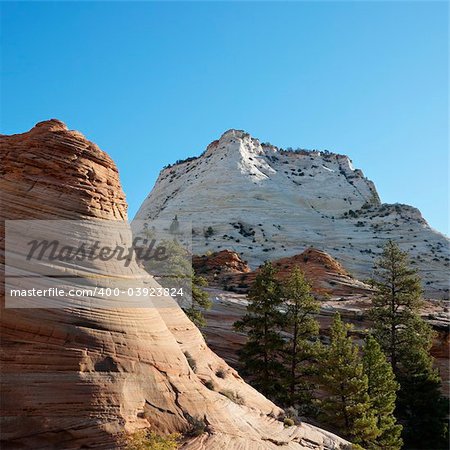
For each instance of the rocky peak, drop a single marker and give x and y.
(77, 378)
(50, 125)
(50, 158)
(267, 203)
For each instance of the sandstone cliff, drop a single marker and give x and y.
(265, 203)
(74, 378)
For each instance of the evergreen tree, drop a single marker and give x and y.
(200, 301)
(174, 226)
(382, 389)
(346, 405)
(395, 304)
(406, 340)
(301, 349)
(176, 271)
(421, 405)
(260, 356)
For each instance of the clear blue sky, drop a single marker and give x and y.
(155, 82)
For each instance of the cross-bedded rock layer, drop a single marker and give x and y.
(74, 378)
(265, 203)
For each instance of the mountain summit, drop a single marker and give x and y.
(266, 203)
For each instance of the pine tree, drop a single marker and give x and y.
(200, 301)
(346, 405)
(406, 340)
(260, 356)
(301, 349)
(421, 405)
(395, 303)
(382, 389)
(174, 226)
(176, 271)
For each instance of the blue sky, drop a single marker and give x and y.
(154, 82)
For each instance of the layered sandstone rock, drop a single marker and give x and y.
(265, 203)
(75, 377)
(218, 266)
(324, 273)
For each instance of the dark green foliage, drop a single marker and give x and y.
(197, 426)
(262, 322)
(200, 301)
(346, 405)
(301, 350)
(395, 305)
(382, 389)
(208, 232)
(177, 271)
(406, 340)
(210, 385)
(421, 405)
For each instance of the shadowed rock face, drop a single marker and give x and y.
(74, 378)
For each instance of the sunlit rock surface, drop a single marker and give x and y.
(74, 378)
(265, 204)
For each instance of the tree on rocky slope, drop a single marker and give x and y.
(406, 340)
(382, 390)
(301, 349)
(176, 271)
(260, 356)
(395, 304)
(346, 405)
(200, 301)
(421, 406)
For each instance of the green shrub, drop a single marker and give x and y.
(191, 361)
(233, 396)
(198, 426)
(220, 373)
(288, 422)
(149, 440)
(210, 385)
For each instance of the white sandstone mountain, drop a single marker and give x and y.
(266, 203)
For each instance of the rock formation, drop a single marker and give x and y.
(325, 274)
(265, 203)
(219, 266)
(76, 377)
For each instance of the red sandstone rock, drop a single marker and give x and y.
(216, 266)
(324, 273)
(75, 378)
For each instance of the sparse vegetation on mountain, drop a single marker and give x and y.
(149, 440)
